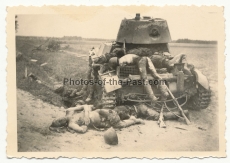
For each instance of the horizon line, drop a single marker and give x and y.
(100, 38)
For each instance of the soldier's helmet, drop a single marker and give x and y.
(110, 137)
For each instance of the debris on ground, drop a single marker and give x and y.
(181, 128)
(200, 128)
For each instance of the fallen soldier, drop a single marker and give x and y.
(143, 111)
(81, 117)
(144, 63)
(163, 59)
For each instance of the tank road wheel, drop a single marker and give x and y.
(202, 98)
(108, 100)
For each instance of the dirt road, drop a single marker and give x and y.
(34, 117)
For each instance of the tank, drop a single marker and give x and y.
(147, 37)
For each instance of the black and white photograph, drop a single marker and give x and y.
(118, 81)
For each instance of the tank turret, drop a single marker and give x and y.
(140, 56)
(143, 30)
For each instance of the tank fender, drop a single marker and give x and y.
(201, 79)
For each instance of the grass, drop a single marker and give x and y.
(60, 65)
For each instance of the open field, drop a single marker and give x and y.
(37, 106)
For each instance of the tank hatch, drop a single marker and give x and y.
(144, 30)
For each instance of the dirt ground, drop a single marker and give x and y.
(35, 116)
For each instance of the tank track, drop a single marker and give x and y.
(202, 98)
(108, 99)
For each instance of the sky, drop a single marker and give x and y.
(103, 22)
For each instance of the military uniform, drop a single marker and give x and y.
(143, 111)
(80, 117)
(143, 63)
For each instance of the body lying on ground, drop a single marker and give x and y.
(81, 117)
(144, 111)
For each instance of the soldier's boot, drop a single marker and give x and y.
(90, 96)
(164, 91)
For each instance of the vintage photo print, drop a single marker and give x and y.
(117, 81)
